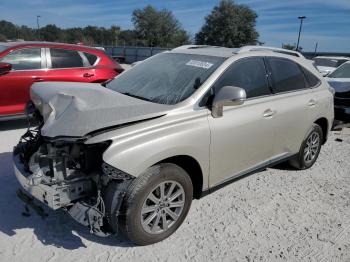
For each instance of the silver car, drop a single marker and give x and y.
(130, 157)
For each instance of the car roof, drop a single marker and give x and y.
(41, 43)
(268, 48)
(334, 57)
(204, 50)
(228, 52)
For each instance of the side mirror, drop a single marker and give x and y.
(227, 96)
(325, 73)
(5, 68)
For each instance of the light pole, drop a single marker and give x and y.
(37, 22)
(301, 25)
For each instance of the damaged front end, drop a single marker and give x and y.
(66, 173)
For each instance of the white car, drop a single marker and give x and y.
(339, 80)
(327, 64)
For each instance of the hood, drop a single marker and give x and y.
(325, 69)
(77, 109)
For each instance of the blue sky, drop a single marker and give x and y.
(328, 21)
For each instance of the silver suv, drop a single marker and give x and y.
(130, 157)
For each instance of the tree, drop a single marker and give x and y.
(158, 28)
(229, 25)
(2, 38)
(292, 47)
(51, 33)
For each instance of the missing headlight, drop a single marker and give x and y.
(114, 173)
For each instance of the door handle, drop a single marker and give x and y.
(88, 75)
(38, 79)
(268, 113)
(312, 102)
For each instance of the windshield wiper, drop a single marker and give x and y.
(136, 96)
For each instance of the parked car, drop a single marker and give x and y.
(24, 63)
(177, 126)
(327, 64)
(339, 79)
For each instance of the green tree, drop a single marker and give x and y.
(2, 38)
(230, 25)
(158, 28)
(292, 47)
(51, 33)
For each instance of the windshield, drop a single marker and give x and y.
(167, 78)
(329, 62)
(341, 72)
(2, 48)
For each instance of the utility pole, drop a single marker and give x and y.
(316, 48)
(37, 22)
(301, 25)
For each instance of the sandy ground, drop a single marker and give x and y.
(275, 215)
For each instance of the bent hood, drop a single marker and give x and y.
(77, 109)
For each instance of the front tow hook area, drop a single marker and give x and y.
(29, 202)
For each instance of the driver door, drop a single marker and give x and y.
(15, 85)
(242, 139)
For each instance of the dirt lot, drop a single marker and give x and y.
(276, 215)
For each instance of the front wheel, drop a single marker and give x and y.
(310, 149)
(156, 204)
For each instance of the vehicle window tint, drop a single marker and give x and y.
(286, 75)
(61, 58)
(24, 59)
(249, 74)
(91, 58)
(311, 78)
(341, 72)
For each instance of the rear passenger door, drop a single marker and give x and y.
(242, 139)
(68, 65)
(294, 104)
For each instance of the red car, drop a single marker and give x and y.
(23, 63)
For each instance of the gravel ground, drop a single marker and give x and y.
(275, 215)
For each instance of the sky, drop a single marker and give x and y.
(327, 22)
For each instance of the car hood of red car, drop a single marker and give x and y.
(78, 109)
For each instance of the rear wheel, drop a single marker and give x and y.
(310, 149)
(155, 205)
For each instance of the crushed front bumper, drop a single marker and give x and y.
(55, 196)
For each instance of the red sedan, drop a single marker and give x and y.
(23, 63)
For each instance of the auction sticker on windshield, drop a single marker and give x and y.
(201, 64)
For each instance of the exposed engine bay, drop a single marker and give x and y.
(67, 174)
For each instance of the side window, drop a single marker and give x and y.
(311, 78)
(286, 75)
(24, 59)
(91, 58)
(249, 74)
(61, 58)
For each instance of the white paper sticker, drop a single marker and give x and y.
(201, 64)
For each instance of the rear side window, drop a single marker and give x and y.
(24, 59)
(91, 58)
(249, 74)
(61, 58)
(287, 75)
(311, 78)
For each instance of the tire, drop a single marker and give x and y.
(160, 219)
(307, 155)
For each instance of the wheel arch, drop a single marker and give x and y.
(323, 123)
(193, 169)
